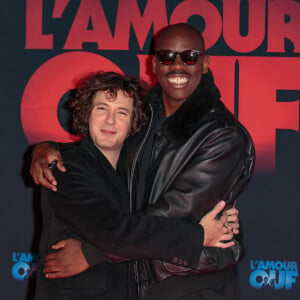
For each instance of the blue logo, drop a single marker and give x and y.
(25, 265)
(275, 274)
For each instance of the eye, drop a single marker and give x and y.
(101, 108)
(124, 113)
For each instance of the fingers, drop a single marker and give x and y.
(55, 275)
(48, 174)
(234, 227)
(233, 219)
(225, 240)
(60, 271)
(44, 182)
(60, 244)
(40, 170)
(42, 174)
(51, 269)
(231, 211)
(54, 265)
(36, 173)
(225, 245)
(60, 166)
(219, 232)
(234, 230)
(230, 216)
(55, 272)
(231, 227)
(51, 266)
(227, 232)
(230, 222)
(51, 258)
(217, 209)
(55, 258)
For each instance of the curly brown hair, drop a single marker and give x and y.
(109, 82)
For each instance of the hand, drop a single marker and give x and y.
(43, 155)
(67, 262)
(215, 233)
(232, 219)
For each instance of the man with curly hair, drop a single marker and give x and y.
(106, 109)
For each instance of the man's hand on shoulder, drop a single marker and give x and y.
(43, 155)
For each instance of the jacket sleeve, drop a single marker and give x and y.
(218, 170)
(63, 146)
(58, 146)
(89, 212)
(94, 255)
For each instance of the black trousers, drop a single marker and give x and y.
(209, 286)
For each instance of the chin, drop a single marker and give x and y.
(178, 99)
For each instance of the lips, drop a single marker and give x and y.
(108, 132)
(178, 77)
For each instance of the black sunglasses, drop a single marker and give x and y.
(189, 57)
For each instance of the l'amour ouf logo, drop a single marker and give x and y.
(24, 265)
(275, 274)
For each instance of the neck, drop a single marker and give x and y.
(171, 106)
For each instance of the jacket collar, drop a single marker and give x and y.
(179, 126)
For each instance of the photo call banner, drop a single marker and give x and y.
(254, 46)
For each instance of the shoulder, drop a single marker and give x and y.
(75, 154)
(221, 119)
(225, 130)
(77, 160)
(221, 132)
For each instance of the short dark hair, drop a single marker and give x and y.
(109, 82)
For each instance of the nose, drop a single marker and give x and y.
(178, 61)
(111, 118)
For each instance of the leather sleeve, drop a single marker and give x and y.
(88, 210)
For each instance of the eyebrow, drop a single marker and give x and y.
(105, 104)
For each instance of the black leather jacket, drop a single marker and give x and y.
(204, 155)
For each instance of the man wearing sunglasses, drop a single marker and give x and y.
(192, 154)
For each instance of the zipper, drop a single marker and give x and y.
(136, 277)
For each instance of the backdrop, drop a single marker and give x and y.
(254, 47)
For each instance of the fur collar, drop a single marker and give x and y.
(179, 126)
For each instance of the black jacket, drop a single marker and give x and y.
(92, 203)
(205, 155)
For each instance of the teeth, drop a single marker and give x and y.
(178, 80)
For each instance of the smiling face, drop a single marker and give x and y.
(178, 81)
(110, 122)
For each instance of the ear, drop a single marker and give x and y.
(206, 62)
(154, 64)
